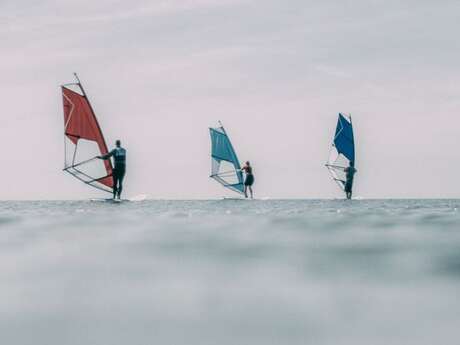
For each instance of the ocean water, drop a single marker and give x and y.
(230, 272)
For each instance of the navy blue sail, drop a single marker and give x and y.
(226, 167)
(344, 140)
(343, 150)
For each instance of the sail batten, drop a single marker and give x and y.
(225, 166)
(84, 141)
(342, 153)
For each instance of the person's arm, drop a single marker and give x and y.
(107, 156)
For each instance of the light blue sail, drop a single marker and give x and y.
(226, 167)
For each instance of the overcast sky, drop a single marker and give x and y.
(159, 73)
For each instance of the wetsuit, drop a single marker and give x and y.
(119, 170)
(350, 174)
(249, 181)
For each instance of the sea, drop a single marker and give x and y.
(230, 272)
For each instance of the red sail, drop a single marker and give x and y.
(81, 123)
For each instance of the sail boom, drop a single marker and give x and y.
(238, 188)
(88, 180)
(335, 166)
(224, 173)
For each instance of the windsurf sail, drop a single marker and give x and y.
(342, 151)
(83, 140)
(226, 167)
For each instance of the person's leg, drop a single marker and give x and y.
(120, 184)
(115, 183)
(252, 193)
(245, 191)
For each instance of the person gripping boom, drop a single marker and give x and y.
(350, 172)
(249, 181)
(119, 171)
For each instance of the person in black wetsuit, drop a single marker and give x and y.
(119, 158)
(350, 172)
(249, 181)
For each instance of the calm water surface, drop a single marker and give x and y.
(230, 272)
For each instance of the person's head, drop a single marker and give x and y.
(118, 143)
(248, 163)
(352, 164)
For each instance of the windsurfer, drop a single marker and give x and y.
(249, 181)
(350, 172)
(119, 157)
